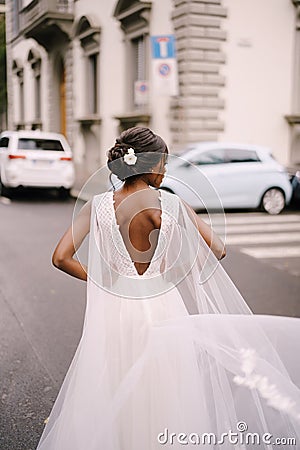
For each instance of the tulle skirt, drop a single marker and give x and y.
(148, 375)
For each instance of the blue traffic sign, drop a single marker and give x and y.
(163, 47)
(164, 69)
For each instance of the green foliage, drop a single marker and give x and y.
(3, 93)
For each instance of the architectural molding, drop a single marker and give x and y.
(88, 34)
(35, 60)
(49, 22)
(17, 68)
(293, 119)
(33, 56)
(133, 14)
(89, 120)
(133, 119)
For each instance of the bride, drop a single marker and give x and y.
(170, 356)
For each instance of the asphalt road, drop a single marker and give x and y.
(42, 310)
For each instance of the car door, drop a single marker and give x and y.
(209, 168)
(242, 179)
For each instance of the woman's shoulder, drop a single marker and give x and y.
(170, 202)
(101, 197)
(169, 196)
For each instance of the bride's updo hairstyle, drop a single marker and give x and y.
(136, 152)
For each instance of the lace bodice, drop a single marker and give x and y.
(120, 259)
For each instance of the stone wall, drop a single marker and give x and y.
(199, 36)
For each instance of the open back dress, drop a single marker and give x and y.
(173, 358)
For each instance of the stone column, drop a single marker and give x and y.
(294, 118)
(199, 36)
(69, 92)
(9, 62)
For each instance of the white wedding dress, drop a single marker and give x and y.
(171, 355)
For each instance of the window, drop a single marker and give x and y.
(40, 144)
(89, 37)
(209, 157)
(4, 142)
(139, 58)
(240, 156)
(35, 61)
(64, 5)
(134, 17)
(21, 98)
(138, 46)
(93, 83)
(18, 71)
(15, 17)
(37, 79)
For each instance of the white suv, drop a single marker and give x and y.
(35, 158)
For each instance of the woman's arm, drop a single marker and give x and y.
(62, 257)
(210, 237)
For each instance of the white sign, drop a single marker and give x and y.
(141, 92)
(165, 77)
(164, 65)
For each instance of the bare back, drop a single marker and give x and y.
(138, 215)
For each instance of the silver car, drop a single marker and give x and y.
(212, 175)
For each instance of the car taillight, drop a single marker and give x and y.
(65, 158)
(16, 157)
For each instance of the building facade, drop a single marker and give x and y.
(86, 69)
(3, 101)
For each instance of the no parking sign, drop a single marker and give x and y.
(164, 69)
(141, 92)
(164, 65)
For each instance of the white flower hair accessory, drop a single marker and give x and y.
(130, 157)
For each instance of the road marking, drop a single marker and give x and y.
(253, 228)
(272, 252)
(262, 238)
(264, 218)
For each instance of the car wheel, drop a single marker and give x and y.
(4, 191)
(273, 201)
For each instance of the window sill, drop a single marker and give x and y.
(36, 125)
(19, 126)
(133, 119)
(89, 120)
(293, 119)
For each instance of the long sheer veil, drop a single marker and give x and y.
(177, 348)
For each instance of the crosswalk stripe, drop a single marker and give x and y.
(253, 228)
(246, 219)
(262, 238)
(272, 252)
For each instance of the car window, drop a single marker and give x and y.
(4, 142)
(236, 156)
(209, 157)
(39, 144)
